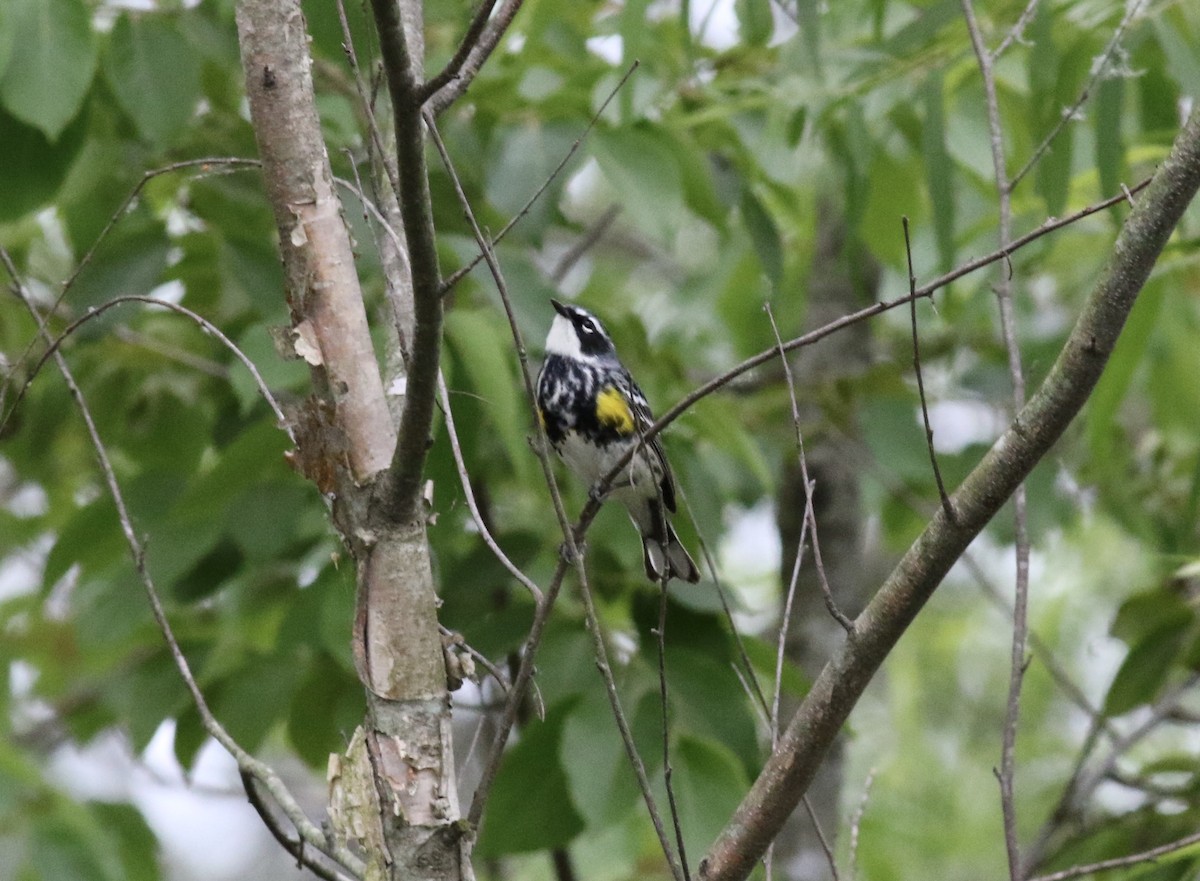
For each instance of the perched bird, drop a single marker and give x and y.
(594, 413)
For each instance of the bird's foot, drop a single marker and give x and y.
(564, 551)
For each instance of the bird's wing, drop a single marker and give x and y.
(643, 419)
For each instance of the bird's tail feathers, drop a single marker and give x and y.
(669, 555)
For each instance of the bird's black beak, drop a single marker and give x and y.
(560, 308)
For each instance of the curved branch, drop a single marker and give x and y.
(788, 772)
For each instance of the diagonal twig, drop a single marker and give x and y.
(454, 66)
(1098, 68)
(472, 505)
(477, 56)
(571, 536)
(305, 828)
(207, 326)
(457, 275)
(912, 286)
(830, 603)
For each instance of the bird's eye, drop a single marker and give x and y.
(585, 327)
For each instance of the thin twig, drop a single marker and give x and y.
(479, 53)
(308, 831)
(368, 106)
(542, 613)
(1098, 68)
(614, 700)
(586, 242)
(1145, 856)
(571, 540)
(455, 276)
(812, 815)
(456, 639)
(856, 823)
(288, 840)
(668, 771)
(454, 66)
(747, 673)
(207, 167)
(1017, 32)
(1008, 327)
(207, 326)
(912, 287)
(830, 604)
(786, 621)
(864, 314)
(469, 494)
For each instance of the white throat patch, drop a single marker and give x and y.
(562, 340)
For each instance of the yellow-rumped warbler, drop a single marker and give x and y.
(594, 413)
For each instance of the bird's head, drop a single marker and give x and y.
(577, 333)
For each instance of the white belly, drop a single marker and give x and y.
(590, 463)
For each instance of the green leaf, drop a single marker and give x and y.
(1144, 670)
(91, 538)
(252, 701)
(131, 261)
(340, 699)
(34, 167)
(939, 170)
(530, 807)
(756, 23)
(764, 234)
(484, 348)
(51, 64)
(709, 784)
(154, 73)
(604, 786)
(136, 845)
(646, 177)
(707, 699)
(1110, 144)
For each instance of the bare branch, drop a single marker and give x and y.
(377, 145)
(307, 830)
(469, 494)
(856, 822)
(1017, 33)
(866, 313)
(668, 771)
(406, 471)
(614, 700)
(747, 674)
(812, 730)
(479, 50)
(830, 604)
(470, 41)
(1008, 328)
(1145, 856)
(812, 815)
(291, 842)
(463, 270)
(912, 287)
(1098, 69)
(571, 537)
(204, 324)
(208, 166)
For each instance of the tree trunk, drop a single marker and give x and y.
(400, 806)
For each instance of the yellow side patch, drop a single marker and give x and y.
(612, 411)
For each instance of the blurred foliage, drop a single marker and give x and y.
(715, 159)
